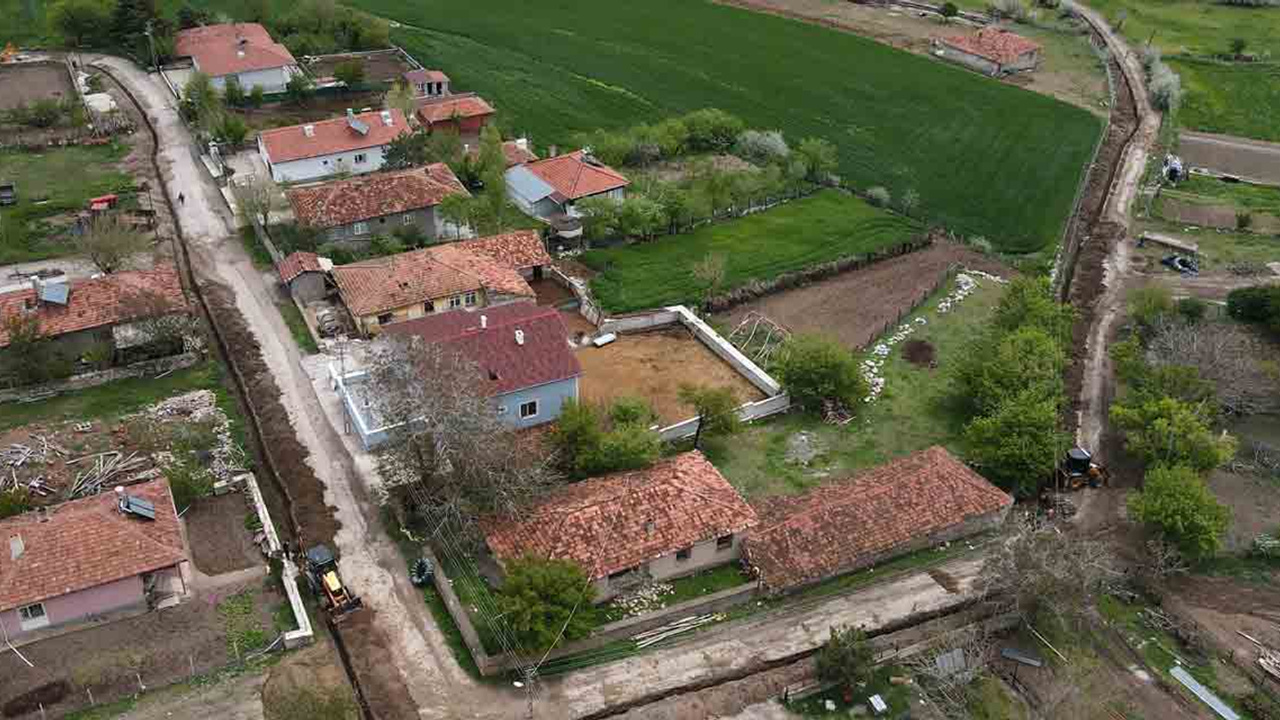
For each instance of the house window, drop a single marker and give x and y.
(428, 307)
(684, 555)
(455, 302)
(385, 318)
(471, 298)
(406, 219)
(502, 409)
(362, 159)
(724, 542)
(32, 617)
(360, 228)
(529, 409)
(382, 221)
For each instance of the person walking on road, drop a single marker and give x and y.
(182, 199)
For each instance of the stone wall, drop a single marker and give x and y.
(87, 380)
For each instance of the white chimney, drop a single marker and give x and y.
(386, 118)
(37, 284)
(350, 113)
(519, 337)
(16, 547)
(309, 130)
(120, 498)
(484, 322)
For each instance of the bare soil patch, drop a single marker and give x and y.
(382, 67)
(315, 669)
(652, 366)
(216, 532)
(161, 647)
(25, 83)
(676, 170)
(368, 650)
(550, 292)
(854, 307)
(918, 352)
(1254, 159)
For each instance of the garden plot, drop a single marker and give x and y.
(26, 83)
(652, 366)
(380, 67)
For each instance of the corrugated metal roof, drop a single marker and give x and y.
(528, 186)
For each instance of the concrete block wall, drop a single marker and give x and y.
(303, 634)
(102, 377)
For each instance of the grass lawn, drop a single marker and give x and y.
(689, 587)
(53, 183)
(1194, 27)
(897, 697)
(1233, 99)
(298, 327)
(914, 412)
(1242, 196)
(986, 158)
(802, 233)
(1218, 249)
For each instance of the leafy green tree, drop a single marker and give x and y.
(129, 22)
(712, 130)
(1192, 309)
(819, 157)
(189, 16)
(1179, 505)
(1024, 360)
(231, 129)
(200, 100)
(600, 217)
(401, 97)
(80, 22)
(847, 659)
(1150, 303)
(256, 96)
(716, 408)
(950, 10)
(1259, 305)
(1028, 302)
(30, 357)
(299, 89)
(546, 602)
(406, 150)
(814, 369)
(1018, 443)
(589, 442)
(641, 217)
(1171, 432)
(350, 73)
(232, 92)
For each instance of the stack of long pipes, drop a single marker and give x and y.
(17, 454)
(107, 465)
(650, 637)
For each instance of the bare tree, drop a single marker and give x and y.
(109, 244)
(1227, 355)
(945, 671)
(451, 451)
(256, 199)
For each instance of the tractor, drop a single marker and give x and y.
(322, 575)
(1078, 470)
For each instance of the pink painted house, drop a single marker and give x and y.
(96, 558)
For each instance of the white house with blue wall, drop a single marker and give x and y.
(523, 358)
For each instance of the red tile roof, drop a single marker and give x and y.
(218, 50)
(425, 76)
(297, 263)
(517, 250)
(86, 543)
(92, 303)
(619, 521)
(845, 525)
(505, 365)
(364, 197)
(373, 286)
(574, 177)
(993, 43)
(443, 109)
(331, 136)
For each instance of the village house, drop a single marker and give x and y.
(451, 276)
(522, 353)
(305, 275)
(99, 558)
(97, 315)
(465, 113)
(243, 51)
(515, 152)
(379, 203)
(915, 502)
(992, 51)
(675, 518)
(353, 144)
(549, 188)
(427, 83)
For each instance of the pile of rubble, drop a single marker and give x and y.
(226, 457)
(643, 600)
(17, 455)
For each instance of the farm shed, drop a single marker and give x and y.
(89, 558)
(675, 518)
(304, 273)
(911, 503)
(353, 144)
(991, 51)
(378, 203)
(465, 113)
(427, 83)
(550, 187)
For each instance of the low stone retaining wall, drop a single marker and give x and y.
(303, 634)
(143, 368)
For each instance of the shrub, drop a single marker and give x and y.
(814, 369)
(1017, 445)
(847, 659)
(589, 442)
(1179, 505)
(14, 501)
(1170, 431)
(231, 130)
(255, 96)
(879, 196)
(981, 244)
(232, 92)
(299, 89)
(761, 147)
(1259, 305)
(1165, 87)
(1025, 360)
(1192, 309)
(350, 73)
(1244, 220)
(546, 601)
(1150, 303)
(1028, 302)
(950, 9)
(1151, 57)
(712, 130)
(717, 408)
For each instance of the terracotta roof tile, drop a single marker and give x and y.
(993, 43)
(297, 263)
(373, 195)
(425, 76)
(619, 521)
(574, 178)
(517, 250)
(396, 281)
(92, 303)
(443, 109)
(844, 525)
(513, 151)
(331, 136)
(86, 543)
(505, 364)
(217, 49)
